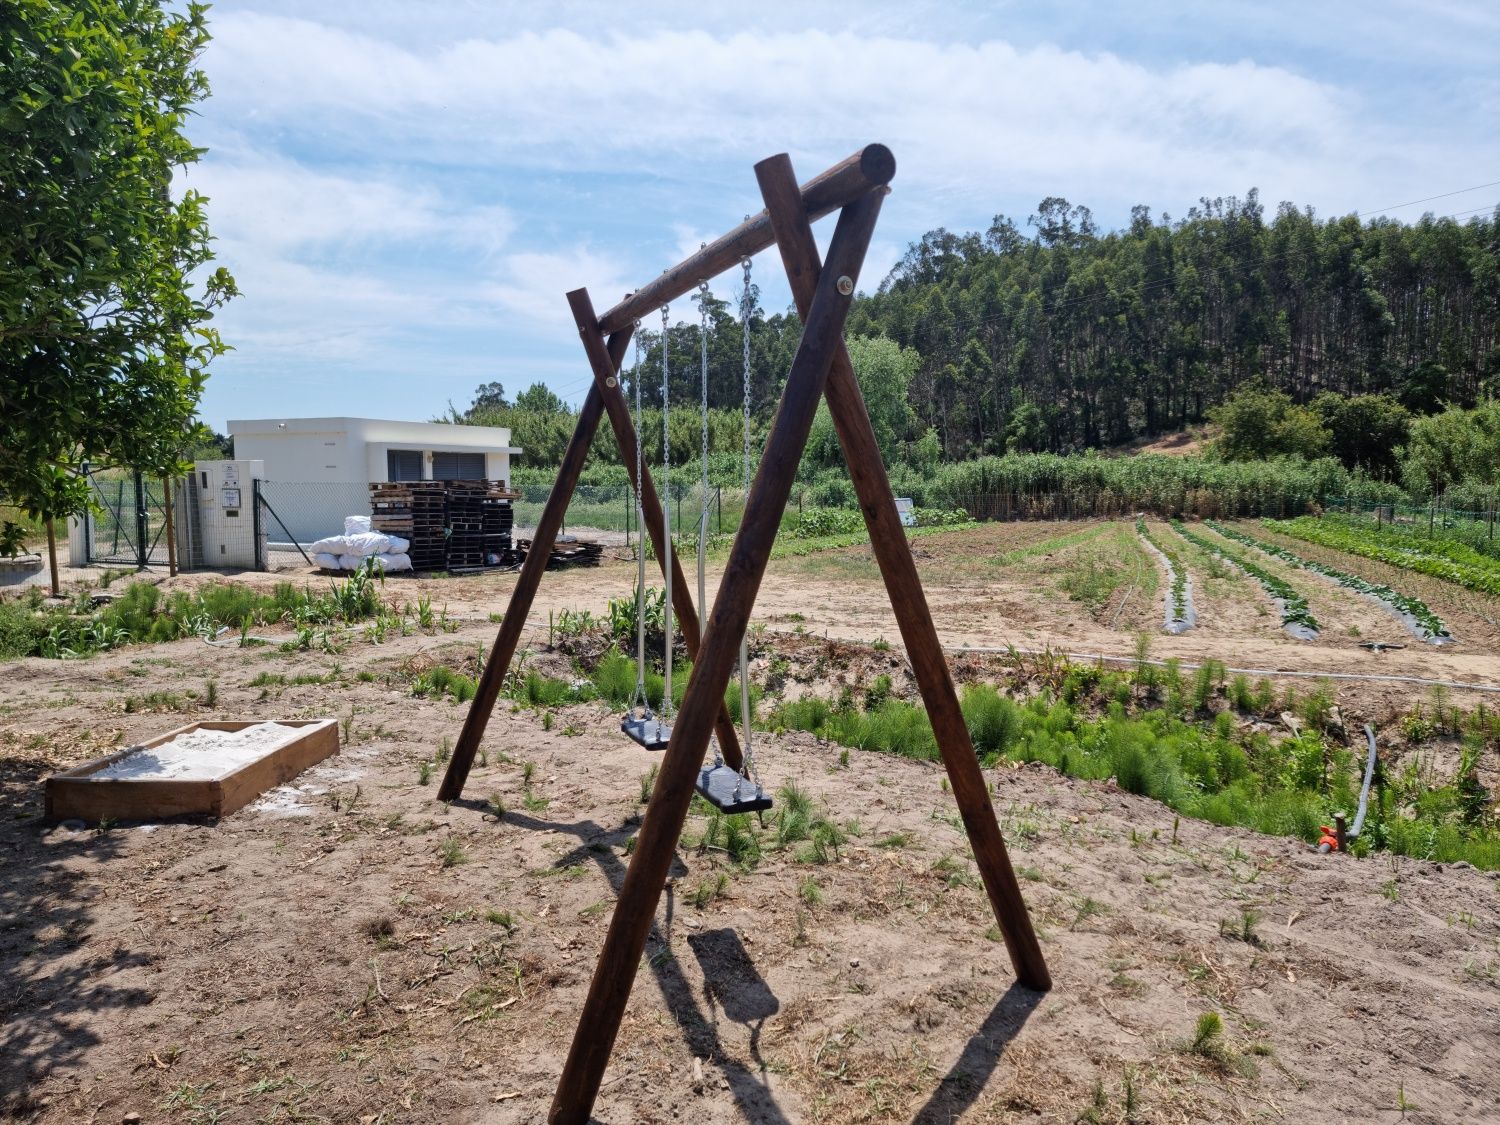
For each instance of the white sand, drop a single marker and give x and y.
(200, 755)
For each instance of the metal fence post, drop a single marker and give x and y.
(142, 518)
(88, 518)
(261, 560)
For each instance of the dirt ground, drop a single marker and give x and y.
(349, 949)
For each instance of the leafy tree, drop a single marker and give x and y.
(1026, 431)
(104, 336)
(1365, 431)
(1454, 446)
(202, 443)
(540, 399)
(885, 371)
(488, 396)
(1259, 423)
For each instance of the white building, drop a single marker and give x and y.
(364, 450)
(318, 470)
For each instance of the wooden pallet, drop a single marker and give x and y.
(567, 552)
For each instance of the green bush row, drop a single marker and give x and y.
(1449, 560)
(1415, 607)
(1294, 610)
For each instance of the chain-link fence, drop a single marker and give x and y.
(127, 523)
(1107, 504)
(295, 514)
(612, 508)
(1473, 526)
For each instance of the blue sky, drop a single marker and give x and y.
(405, 190)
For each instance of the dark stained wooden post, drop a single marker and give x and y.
(607, 382)
(799, 252)
(609, 991)
(514, 621)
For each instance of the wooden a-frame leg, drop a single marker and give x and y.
(514, 621)
(607, 382)
(609, 991)
(851, 420)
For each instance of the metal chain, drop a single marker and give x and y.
(666, 512)
(702, 298)
(640, 526)
(747, 301)
(703, 338)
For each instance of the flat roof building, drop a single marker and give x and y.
(365, 450)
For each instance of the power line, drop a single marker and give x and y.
(1429, 199)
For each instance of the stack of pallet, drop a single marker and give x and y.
(465, 523)
(390, 509)
(499, 522)
(429, 525)
(567, 551)
(451, 525)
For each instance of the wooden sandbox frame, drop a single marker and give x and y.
(76, 794)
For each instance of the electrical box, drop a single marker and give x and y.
(232, 531)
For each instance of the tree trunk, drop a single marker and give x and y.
(52, 556)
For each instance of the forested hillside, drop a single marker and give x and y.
(1348, 353)
(1073, 339)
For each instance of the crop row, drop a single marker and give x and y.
(1181, 611)
(1294, 611)
(1427, 623)
(1446, 559)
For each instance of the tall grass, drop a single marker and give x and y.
(1209, 771)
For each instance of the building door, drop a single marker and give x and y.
(457, 466)
(403, 464)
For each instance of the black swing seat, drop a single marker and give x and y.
(731, 792)
(647, 730)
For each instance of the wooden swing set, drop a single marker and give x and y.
(823, 293)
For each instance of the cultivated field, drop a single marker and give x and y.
(349, 949)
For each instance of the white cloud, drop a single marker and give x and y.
(393, 187)
(278, 204)
(959, 115)
(532, 284)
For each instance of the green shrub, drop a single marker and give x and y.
(614, 678)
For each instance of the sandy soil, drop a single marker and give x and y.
(314, 958)
(348, 949)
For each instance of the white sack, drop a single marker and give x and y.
(326, 560)
(368, 543)
(399, 560)
(354, 525)
(363, 544)
(332, 545)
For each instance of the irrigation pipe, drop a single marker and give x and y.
(1364, 792)
(1099, 656)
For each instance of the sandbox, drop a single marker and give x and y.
(203, 769)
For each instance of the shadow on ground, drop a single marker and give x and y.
(46, 986)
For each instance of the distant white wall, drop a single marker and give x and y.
(354, 450)
(309, 455)
(317, 470)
